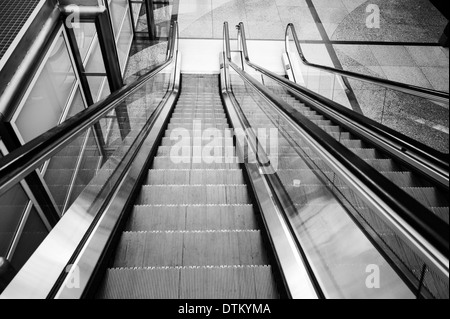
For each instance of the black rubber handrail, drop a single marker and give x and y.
(16, 165)
(416, 215)
(437, 96)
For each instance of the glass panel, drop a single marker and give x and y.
(45, 104)
(344, 239)
(84, 168)
(95, 64)
(12, 207)
(117, 8)
(62, 166)
(124, 41)
(32, 236)
(84, 34)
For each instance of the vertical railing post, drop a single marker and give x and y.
(112, 66)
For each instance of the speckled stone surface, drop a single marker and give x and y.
(402, 21)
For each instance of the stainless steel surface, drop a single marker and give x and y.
(296, 276)
(433, 95)
(52, 259)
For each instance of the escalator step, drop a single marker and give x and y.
(384, 165)
(402, 179)
(193, 218)
(366, 153)
(429, 197)
(195, 177)
(172, 162)
(441, 212)
(190, 126)
(194, 195)
(243, 282)
(355, 144)
(190, 248)
(183, 151)
(160, 283)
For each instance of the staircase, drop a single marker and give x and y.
(193, 232)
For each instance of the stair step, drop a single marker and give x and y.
(402, 179)
(190, 151)
(190, 126)
(243, 282)
(189, 248)
(192, 218)
(366, 153)
(213, 162)
(193, 195)
(195, 177)
(428, 196)
(384, 165)
(441, 212)
(204, 122)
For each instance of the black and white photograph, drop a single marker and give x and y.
(224, 158)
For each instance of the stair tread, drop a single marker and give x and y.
(243, 282)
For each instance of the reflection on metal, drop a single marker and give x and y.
(425, 93)
(299, 282)
(88, 222)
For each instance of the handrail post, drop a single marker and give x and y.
(433, 95)
(151, 27)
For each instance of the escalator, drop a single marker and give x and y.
(221, 189)
(193, 232)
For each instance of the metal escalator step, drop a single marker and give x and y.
(204, 122)
(331, 128)
(194, 195)
(195, 115)
(192, 218)
(237, 282)
(207, 133)
(384, 165)
(160, 283)
(402, 179)
(322, 123)
(190, 248)
(341, 135)
(190, 126)
(367, 153)
(354, 144)
(195, 177)
(213, 162)
(190, 140)
(228, 283)
(441, 212)
(184, 151)
(428, 196)
(237, 217)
